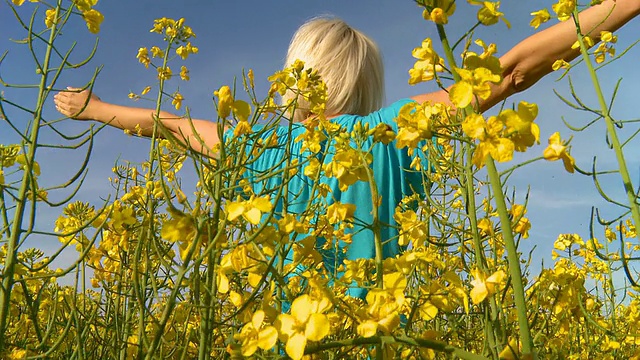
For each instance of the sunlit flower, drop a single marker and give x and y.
(164, 73)
(143, 56)
(427, 65)
(488, 13)
(558, 151)
(50, 17)
(253, 335)
(483, 286)
(306, 322)
(558, 64)
(251, 209)
(472, 83)
(156, 52)
(338, 212)
(539, 17)
(564, 9)
(439, 11)
(177, 101)
(93, 19)
(184, 73)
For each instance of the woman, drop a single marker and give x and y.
(350, 64)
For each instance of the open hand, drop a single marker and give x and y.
(76, 104)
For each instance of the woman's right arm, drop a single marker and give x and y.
(199, 135)
(532, 58)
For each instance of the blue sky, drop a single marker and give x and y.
(233, 35)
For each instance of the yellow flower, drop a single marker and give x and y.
(520, 128)
(253, 335)
(85, 5)
(605, 48)
(539, 17)
(427, 65)
(483, 287)
(382, 312)
(383, 133)
(564, 9)
(251, 209)
(242, 127)
(93, 18)
(348, 166)
(312, 169)
(588, 42)
(305, 323)
(157, 52)
(489, 134)
(473, 82)
(557, 151)
(522, 225)
(22, 160)
(560, 64)
(18, 2)
(184, 73)
(439, 11)
(412, 229)
(177, 101)
(488, 13)
(337, 212)
(145, 90)
(17, 354)
(143, 56)
(608, 37)
(185, 50)
(225, 101)
(50, 17)
(164, 73)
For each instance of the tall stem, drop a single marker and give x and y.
(512, 258)
(611, 130)
(25, 187)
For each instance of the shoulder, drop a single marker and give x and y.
(386, 115)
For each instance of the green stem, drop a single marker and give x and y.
(512, 258)
(21, 203)
(611, 130)
(470, 192)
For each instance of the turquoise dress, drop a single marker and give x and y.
(391, 170)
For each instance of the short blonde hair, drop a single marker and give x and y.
(348, 61)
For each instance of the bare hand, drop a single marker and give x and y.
(76, 105)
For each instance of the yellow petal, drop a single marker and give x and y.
(242, 110)
(234, 209)
(253, 216)
(223, 283)
(262, 203)
(461, 94)
(295, 346)
(301, 308)
(267, 338)
(368, 328)
(257, 318)
(254, 279)
(479, 291)
(284, 324)
(509, 351)
(428, 311)
(317, 327)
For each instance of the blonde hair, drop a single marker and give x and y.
(348, 62)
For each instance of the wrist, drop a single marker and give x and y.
(93, 110)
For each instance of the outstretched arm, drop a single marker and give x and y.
(199, 135)
(531, 59)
